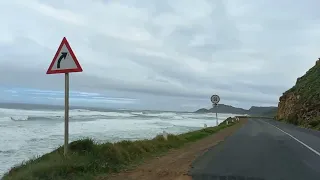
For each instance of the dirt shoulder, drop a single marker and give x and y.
(176, 163)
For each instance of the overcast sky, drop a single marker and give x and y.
(158, 54)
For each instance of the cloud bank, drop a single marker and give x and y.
(164, 54)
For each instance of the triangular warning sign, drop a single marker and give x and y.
(64, 60)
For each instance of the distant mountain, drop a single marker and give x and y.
(271, 113)
(254, 110)
(202, 110)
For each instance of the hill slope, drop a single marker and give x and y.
(222, 108)
(254, 110)
(300, 105)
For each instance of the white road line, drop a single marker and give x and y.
(310, 148)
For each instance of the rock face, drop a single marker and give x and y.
(286, 106)
(300, 105)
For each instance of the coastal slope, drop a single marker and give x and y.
(300, 105)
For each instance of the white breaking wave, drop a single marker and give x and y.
(27, 133)
(78, 114)
(82, 114)
(19, 118)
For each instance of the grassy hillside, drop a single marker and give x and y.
(300, 104)
(308, 86)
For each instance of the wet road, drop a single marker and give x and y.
(263, 150)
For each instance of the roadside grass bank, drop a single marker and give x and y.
(312, 124)
(87, 159)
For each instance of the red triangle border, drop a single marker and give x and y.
(78, 69)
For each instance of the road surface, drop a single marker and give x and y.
(262, 150)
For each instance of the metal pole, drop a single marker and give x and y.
(66, 114)
(216, 114)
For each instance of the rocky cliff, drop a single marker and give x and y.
(300, 105)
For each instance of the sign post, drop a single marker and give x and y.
(66, 113)
(215, 99)
(65, 62)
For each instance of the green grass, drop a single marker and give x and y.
(308, 85)
(307, 88)
(87, 159)
(313, 124)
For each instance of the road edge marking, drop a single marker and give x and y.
(305, 145)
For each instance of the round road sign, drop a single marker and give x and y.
(215, 99)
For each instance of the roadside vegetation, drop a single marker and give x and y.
(87, 159)
(307, 86)
(300, 104)
(314, 123)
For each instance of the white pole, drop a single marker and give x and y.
(66, 114)
(216, 114)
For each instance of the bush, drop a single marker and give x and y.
(314, 123)
(293, 119)
(82, 146)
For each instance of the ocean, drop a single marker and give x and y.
(26, 133)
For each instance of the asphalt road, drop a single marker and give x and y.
(261, 151)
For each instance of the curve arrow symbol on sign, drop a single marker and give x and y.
(63, 56)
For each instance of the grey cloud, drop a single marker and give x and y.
(164, 51)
